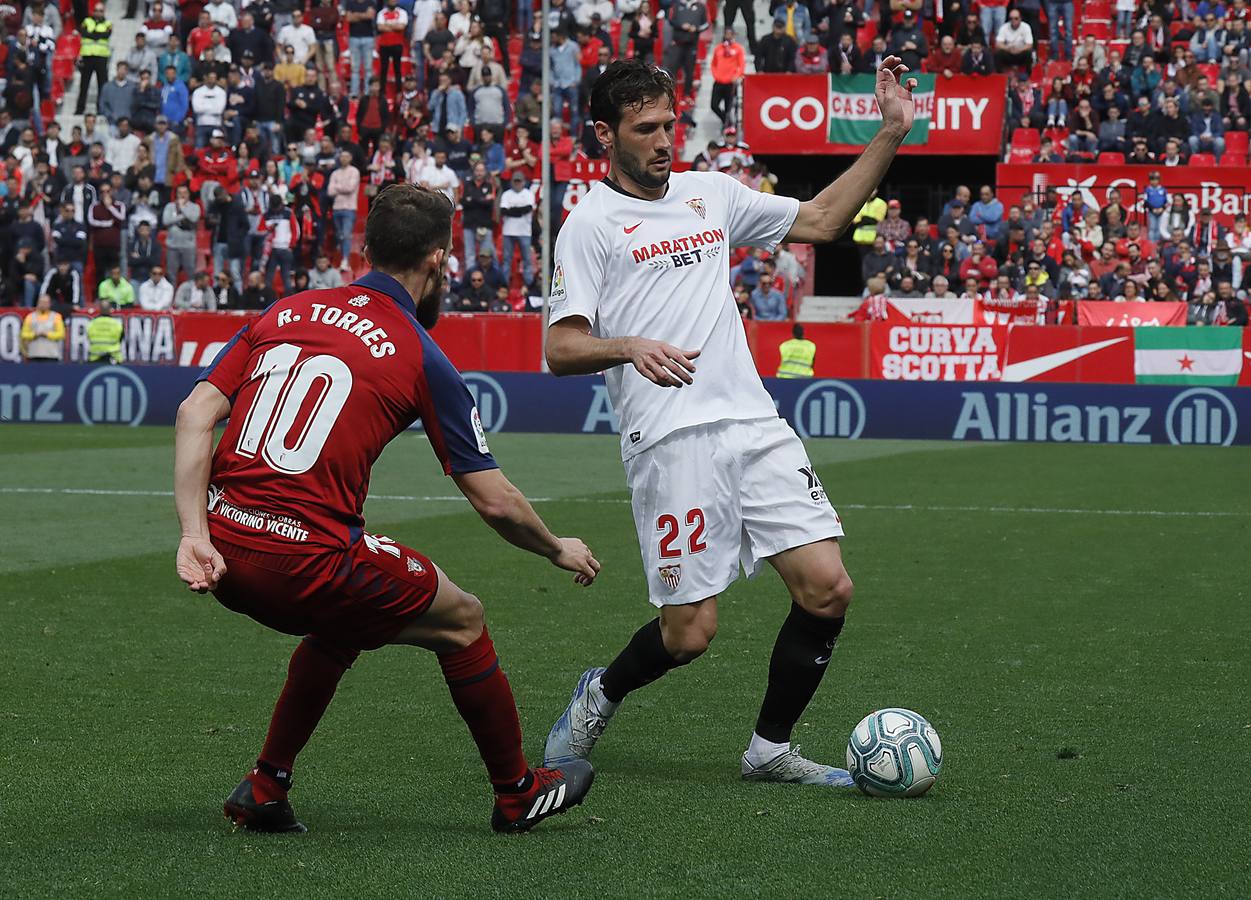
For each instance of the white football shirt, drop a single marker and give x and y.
(660, 269)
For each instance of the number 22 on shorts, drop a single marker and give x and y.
(667, 525)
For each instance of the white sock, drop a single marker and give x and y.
(760, 751)
(602, 704)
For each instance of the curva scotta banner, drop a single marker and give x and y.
(817, 408)
(836, 114)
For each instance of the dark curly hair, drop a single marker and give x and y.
(627, 83)
(405, 224)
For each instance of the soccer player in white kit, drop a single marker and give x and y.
(640, 291)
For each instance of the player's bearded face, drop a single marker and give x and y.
(432, 294)
(642, 145)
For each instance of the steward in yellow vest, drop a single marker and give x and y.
(93, 53)
(104, 336)
(797, 355)
(96, 31)
(873, 211)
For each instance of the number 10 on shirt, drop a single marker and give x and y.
(284, 392)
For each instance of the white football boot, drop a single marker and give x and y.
(583, 721)
(791, 768)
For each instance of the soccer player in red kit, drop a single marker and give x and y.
(314, 389)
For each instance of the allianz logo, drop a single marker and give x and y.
(111, 395)
(1198, 416)
(1195, 416)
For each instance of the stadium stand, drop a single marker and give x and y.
(250, 138)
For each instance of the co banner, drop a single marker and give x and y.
(958, 116)
(816, 408)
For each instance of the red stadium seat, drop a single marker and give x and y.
(1058, 134)
(1097, 9)
(1236, 147)
(1203, 160)
(1101, 31)
(1021, 155)
(1174, 27)
(1057, 68)
(1211, 70)
(1026, 138)
(1112, 159)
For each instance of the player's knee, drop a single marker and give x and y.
(828, 595)
(467, 622)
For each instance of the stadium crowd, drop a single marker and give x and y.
(1157, 84)
(1059, 249)
(229, 152)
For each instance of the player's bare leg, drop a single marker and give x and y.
(821, 591)
(677, 636)
(457, 633)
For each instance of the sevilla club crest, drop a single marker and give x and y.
(414, 567)
(697, 204)
(671, 576)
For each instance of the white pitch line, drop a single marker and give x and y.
(881, 507)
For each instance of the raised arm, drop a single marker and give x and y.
(506, 509)
(199, 564)
(573, 350)
(827, 215)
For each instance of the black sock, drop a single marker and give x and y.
(642, 661)
(521, 787)
(282, 776)
(800, 658)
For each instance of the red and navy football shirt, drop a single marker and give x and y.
(318, 386)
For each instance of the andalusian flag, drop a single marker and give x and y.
(1193, 355)
(854, 116)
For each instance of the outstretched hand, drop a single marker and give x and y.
(199, 564)
(894, 95)
(575, 556)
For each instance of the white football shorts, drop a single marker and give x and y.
(710, 498)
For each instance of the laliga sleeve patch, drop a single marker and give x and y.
(479, 431)
(558, 282)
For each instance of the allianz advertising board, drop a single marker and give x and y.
(817, 408)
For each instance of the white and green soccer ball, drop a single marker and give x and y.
(894, 753)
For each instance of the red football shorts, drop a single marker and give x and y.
(360, 598)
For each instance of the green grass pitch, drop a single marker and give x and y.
(1073, 620)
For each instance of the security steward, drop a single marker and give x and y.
(104, 336)
(93, 54)
(797, 355)
(865, 222)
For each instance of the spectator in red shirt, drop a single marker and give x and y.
(588, 46)
(392, 23)
(201, 36)
(729, 62)
(562, 167)
(524, 155)
(107, 218)
(946, 60)
(979, 266)
(215, 165)
(1134, 235)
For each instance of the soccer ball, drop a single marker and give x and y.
(894, 753)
